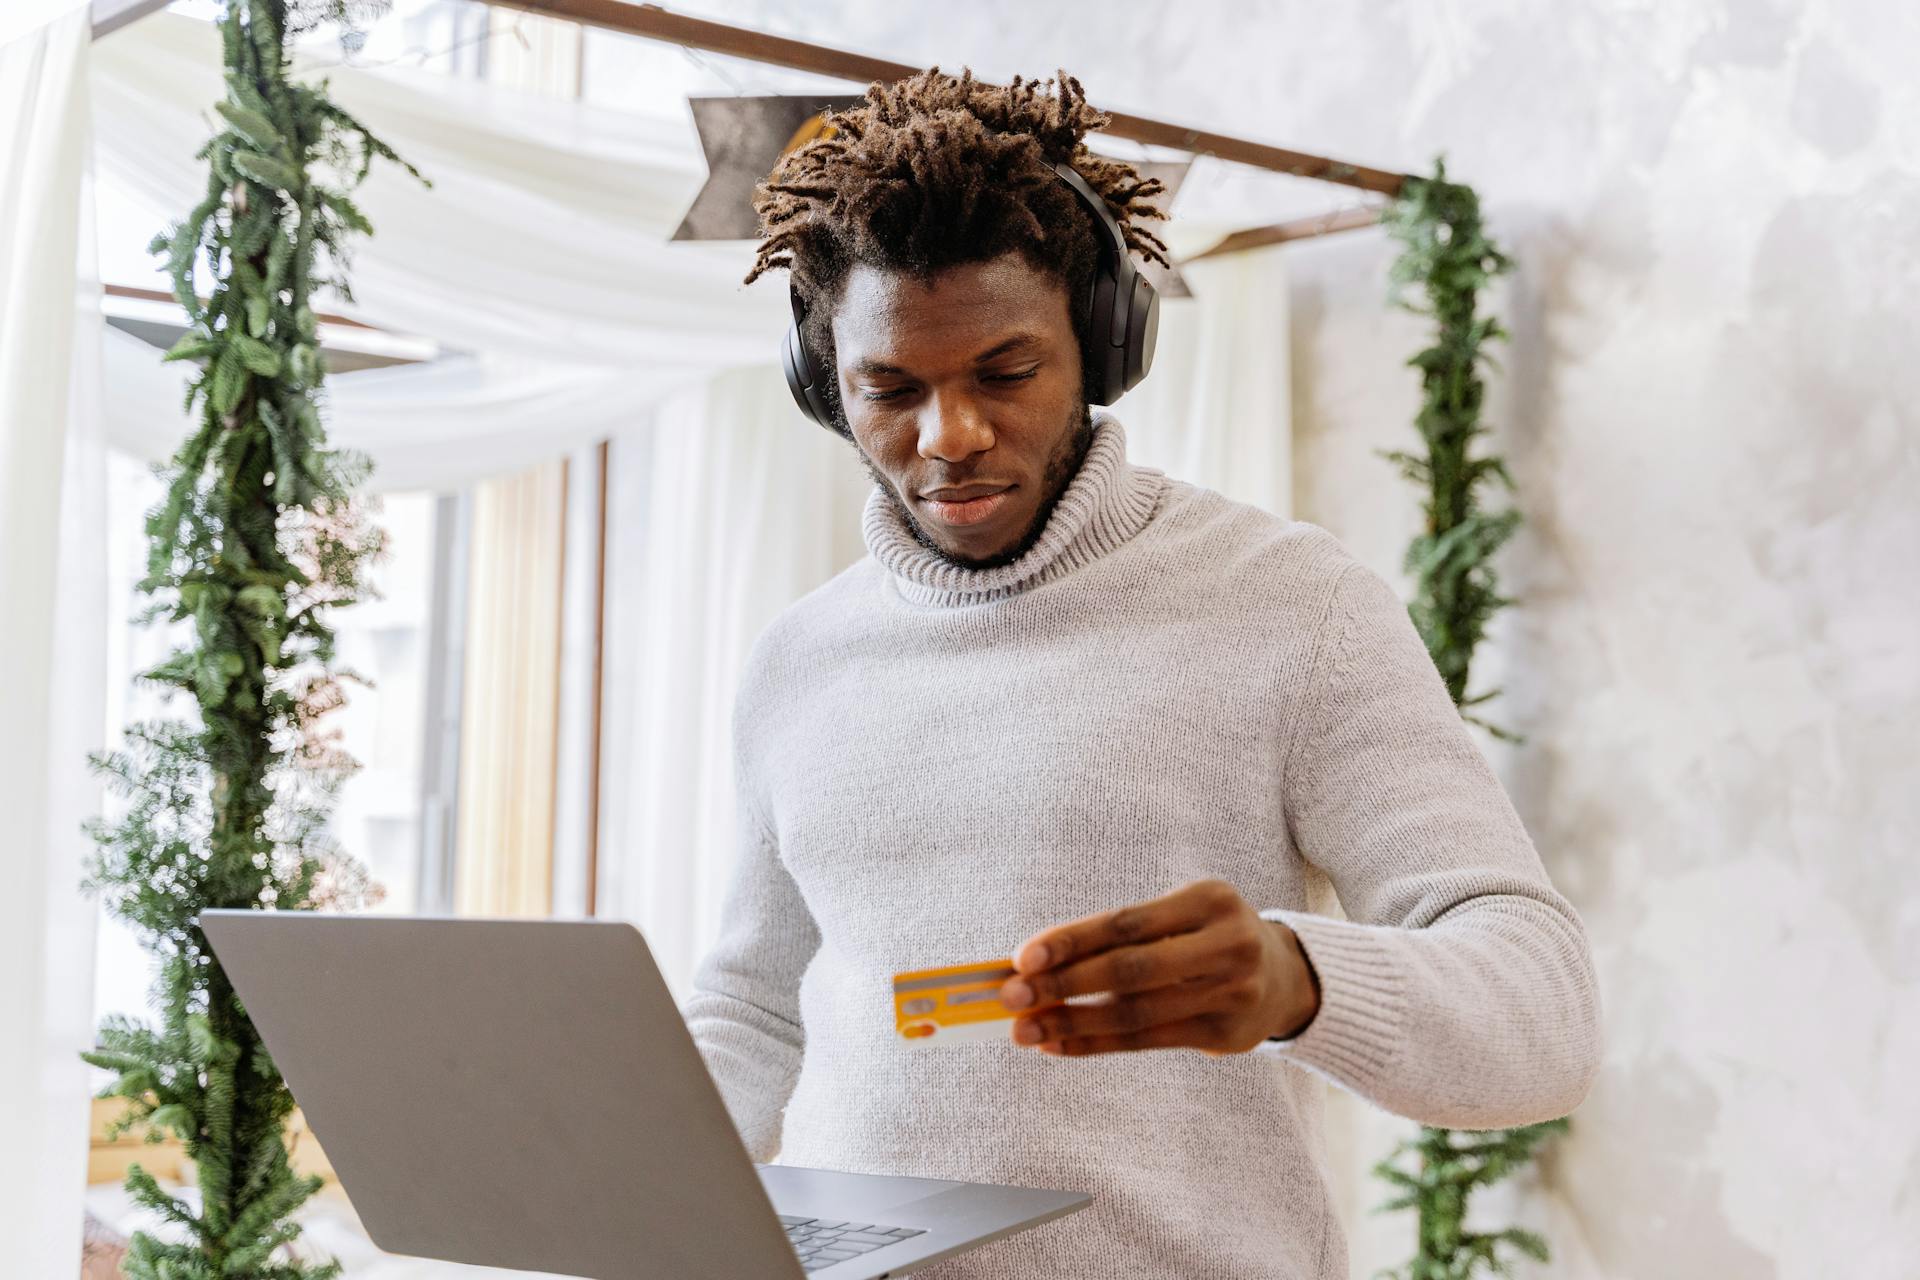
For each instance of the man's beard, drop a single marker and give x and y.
(1059, 473)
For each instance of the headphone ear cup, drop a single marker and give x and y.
(1143, 329)
(1109, 358)
(794, 363)
(803, 376)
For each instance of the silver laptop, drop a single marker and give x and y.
(525, 1094)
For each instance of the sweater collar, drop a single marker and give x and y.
(1108, 501)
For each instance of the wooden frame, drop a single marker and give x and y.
(652, 22)
(1319, 224)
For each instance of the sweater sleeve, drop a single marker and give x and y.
(744, 1013)
(1460, 991)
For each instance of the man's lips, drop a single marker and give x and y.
(965, 504)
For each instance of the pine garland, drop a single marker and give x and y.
(258, 535)
(1449, 258)
(1448, 1168)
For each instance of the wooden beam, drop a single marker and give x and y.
(161, 295)
(1259, 155)
(652, 22)
(1319, 224)
(108, 16)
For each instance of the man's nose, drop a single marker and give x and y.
(953, 428)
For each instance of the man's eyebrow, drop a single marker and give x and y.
(1013, 342)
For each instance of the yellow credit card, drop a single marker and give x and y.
(957, 1004)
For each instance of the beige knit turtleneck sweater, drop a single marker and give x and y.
(934, 762)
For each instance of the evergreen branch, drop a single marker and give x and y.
(259, 533)
(1446, 258)
(148, 1192)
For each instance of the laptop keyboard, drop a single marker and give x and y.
(821, 1242)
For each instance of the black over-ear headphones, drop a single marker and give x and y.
(1121, 310)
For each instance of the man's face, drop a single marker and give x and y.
(965, 399)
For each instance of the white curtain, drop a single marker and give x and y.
(52, 627)
(539, 259)
(439, 426)
(725, 507)
(1216, 409)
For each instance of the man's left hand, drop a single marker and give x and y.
(1196, 969)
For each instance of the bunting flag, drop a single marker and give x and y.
(1167, 281)
(744, 137)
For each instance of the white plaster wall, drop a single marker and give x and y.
(1709, 406)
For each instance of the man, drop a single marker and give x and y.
(1115, 726)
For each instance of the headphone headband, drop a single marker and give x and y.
(1121, 321)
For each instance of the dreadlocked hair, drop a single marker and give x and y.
(933, 171)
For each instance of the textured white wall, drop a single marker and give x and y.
(1710, 408)
(1709, 405)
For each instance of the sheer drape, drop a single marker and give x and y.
(504, 836)
(52, 627)
(1216, 410)
(721, 510)
(539, 259)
